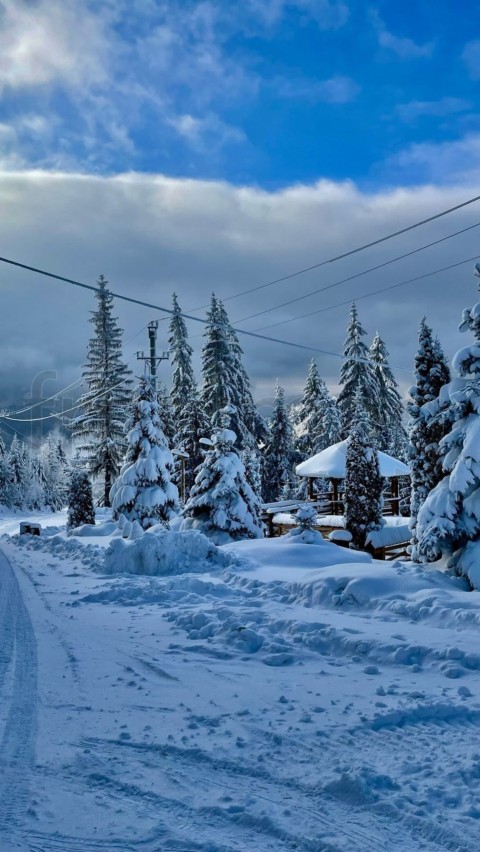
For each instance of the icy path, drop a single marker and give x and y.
(121, 729)
(18, 681)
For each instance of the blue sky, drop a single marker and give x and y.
(264, 92)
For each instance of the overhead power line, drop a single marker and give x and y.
(60, 413)
(373, 293)
(358, 274)
(169, 311)
(350, 252)
(48, 399)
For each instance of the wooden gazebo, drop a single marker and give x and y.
(330, 464)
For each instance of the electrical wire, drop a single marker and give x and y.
(48, 399)
(358, 274)
(372, 293)
(200, 320)
(60, 414)
(349, 253)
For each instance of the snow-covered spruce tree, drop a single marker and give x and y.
(144, 491)
(183, 379)
(309, 414)
(449, 519)
(99, 428)
(216, 362)
(426, 427)
(166, 414)
(279, 452)
(193, 424)
(390, 431)
(357, 373)
(19, 467)
(4, 472)
(80, 499)
(55, 471)
(363, 483)
(222, 504)
(331, 425)
(225, 381)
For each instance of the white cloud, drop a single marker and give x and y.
(403, 47)
(51, 41)
(441, 163)
(471, 57)
(151, 235)
(207, 133)
(328, 14)
(335, 90)
(444, 106)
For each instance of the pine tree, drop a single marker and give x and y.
(222, 504)
(99, 429)
(331, 425)
(55, 473)
(144, 491)
(19, 467)
(449, 520)
(309, 414)
(426, 426)
(225, 381)
(193, 424)
(183, 380)
(390, 432)
(4, 472)
(216, 362)
(357, 374)
(363, 483)
(279, 452)
(166, 414)
(80, 499)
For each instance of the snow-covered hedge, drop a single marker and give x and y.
(161, 552)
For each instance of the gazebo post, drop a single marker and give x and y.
(310, 488)
(335, 495)
(395, 494)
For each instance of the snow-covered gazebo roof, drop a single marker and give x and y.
(330, 463)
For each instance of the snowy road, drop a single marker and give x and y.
(119, 731)
(18, 680)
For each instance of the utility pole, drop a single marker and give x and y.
(152, 358)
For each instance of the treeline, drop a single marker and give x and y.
(34, 480)
(269, 448)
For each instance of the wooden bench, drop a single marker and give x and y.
(396, 548)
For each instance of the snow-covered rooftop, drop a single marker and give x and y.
(331, 464)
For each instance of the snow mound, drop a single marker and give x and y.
(285, 557)
(165, 553)
(93, 530)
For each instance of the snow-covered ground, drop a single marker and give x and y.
(272, 702)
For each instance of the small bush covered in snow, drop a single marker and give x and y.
(161, 552)
(80, 500)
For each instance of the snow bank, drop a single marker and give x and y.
(165, 553)
(290, 558)
(93, 530)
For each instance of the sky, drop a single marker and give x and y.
(199, 146)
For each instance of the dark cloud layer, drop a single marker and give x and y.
(151, 235)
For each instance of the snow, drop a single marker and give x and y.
(330, 463)
(164, 553)
(389, 535)
(268, 695)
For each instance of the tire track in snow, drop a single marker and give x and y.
(17, 747)
(327, 821)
